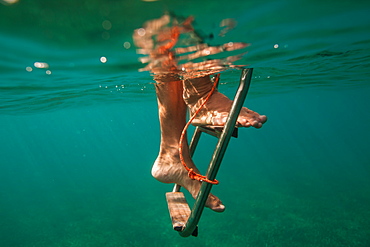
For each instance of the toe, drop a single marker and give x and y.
(242, 122)
(215, 204)
(262, 118)
(219, 208)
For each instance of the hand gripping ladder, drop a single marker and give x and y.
(184, 220)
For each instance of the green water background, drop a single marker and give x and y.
(77, 145)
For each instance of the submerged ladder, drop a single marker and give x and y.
(184, 220)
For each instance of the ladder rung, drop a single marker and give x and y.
(217, 130)
(179, 209)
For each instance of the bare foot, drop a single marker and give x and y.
(168, 169)
(217, 108)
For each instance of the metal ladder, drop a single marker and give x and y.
(184, 220)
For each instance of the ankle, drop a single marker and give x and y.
(196, 89)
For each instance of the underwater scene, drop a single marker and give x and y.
(79, 128)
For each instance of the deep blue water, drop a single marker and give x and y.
(78, 139)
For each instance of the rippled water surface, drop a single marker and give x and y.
(79, 128)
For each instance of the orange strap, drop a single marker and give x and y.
(191, 173)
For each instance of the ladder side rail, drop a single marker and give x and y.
(219, 153)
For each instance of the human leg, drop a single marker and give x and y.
(167, 167)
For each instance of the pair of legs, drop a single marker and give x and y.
(166, 41)
(174, 99)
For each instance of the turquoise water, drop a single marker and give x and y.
(78, 138)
